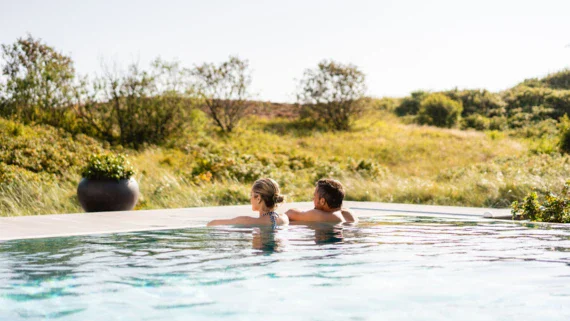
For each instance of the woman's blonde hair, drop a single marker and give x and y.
(269, 192)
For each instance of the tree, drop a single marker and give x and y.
(137, 106)
(439, 110)
(224, 89)
(332, 93)
(38, 81)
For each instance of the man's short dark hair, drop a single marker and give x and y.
(332, 191)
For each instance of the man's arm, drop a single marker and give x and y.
(349, 216)
(295, 214)
(240, 220)
(313, 215)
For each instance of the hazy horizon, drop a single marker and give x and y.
(402, 46)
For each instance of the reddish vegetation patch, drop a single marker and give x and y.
(266, 109)
(273, 110)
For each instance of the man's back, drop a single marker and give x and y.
(315, 215)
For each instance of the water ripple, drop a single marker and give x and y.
(367, 271)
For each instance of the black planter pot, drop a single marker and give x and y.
(107, 195)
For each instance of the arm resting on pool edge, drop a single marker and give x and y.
(349, 216)
(294, 214)
(240, 220)
(313, 215)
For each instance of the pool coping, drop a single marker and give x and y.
(61, 225)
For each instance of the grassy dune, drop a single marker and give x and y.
(381, 159)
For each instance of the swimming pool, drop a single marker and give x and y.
(387, 267)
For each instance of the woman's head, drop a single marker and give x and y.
(265, 192)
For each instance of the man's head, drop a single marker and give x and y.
(329, 194)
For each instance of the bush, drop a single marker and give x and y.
(411, 105)
(498, 123)
(476, 121)
(301, 162)
(325, 170)
(10, 174)
(107, 166)
(478, 101)
(332, 94)
(522, 99)
(559, 102)
(39, 82)
(564, 127)
(553, 208)
(138, 107)
(243, 168)
(43, 148)
(224, 90)
(557, 80)
(366, 168)
(439, 110)
(384, 103)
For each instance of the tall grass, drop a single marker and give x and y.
(381, 159)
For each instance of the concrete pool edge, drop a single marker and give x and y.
(62, 225)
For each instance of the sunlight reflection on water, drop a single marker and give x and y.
(397, 268)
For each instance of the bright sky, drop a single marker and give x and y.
(401, 45)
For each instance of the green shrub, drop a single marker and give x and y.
(366, 168)
(564, 127)
(384, 103)
(326, 170)
(476, 121)
(478, 101)
(557, 80)
(559, 102)
(411, 105)
(439, 110)
(44, 148)
(498, 123)
(529, 209)
(108, 166)
(553, 208)
(547, 129)
(523, 99)
(301, 162)
(10, 174)
(232, 196)
(242, 168)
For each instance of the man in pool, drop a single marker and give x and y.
(328, 197)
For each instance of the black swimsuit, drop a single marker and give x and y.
(273, 216)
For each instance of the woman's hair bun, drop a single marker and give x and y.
(279, 199)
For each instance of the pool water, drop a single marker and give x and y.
(387, 267)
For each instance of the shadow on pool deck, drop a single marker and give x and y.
(58, 225)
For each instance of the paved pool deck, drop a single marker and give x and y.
(58, 225)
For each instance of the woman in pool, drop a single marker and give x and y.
(264, 197)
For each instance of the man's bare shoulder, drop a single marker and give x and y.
(315, 215)
(349, 216)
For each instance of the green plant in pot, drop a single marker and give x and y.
(108, 184)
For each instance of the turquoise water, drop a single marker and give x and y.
(391, 268)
